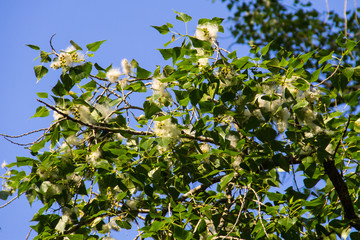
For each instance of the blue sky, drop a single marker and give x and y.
(126, 27)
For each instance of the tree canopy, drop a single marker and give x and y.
(210, 146)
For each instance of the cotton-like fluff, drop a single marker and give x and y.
(282, 122)
(166, 128)
(288, 84)
(3, 165)
(233, 140)
(85, 115)
(312, 95)
(263, 103)
(104, 109)
(123, 83)
(330, 149)
(94, 156)
(125, 66)
(113, 75)
(257, 113)
(73, 140)
(205, 148)
(55, 65)
(204, 59)
(57, 115)
(269, 106)
(207, 32)
(159, 88)
(67, 58)
(237, 162)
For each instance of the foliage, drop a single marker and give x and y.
(292, 25)
(211, 146)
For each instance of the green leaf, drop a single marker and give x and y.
(173, 53)
(357, 125)
(301, 104)
(184, 102)
(182, 17)
(59, 89)
(265, 49)
(195, 96)
(38, 146)
(33, 46)
(40, 71)
(4, 194)
(44, 56)
(305, 57)
(225, 180)
(350, 44)
(164, 29)
(80, 72)
(240, 63)
(326, 58)
(156, 226)
(275, 196)
(166, 53)
(97, 66)
(162, 118)
(348, 72)
(315, 75)
(266, 134)
(77, 47)
(317, 202)
(202, 226)
(355, 235)
(42, 94)
(123, 224)
(341, 40)
(41, 112)
(310, 183)
(287, 223)
(273, 65)
(24, 161)
(181, 234)
(142, 73)
(197, 43)
(93, 47)
(232, 55)
(150, 109)
(90, 86)
(135, 86)
(67, 82)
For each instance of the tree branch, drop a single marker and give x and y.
(341, 187)
(200, 188)
(115, 130)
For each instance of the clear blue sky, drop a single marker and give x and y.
(126, 27)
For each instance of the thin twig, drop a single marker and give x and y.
(53, 49)
(22, 135)
(345, 18)
(355, 12)
(115, 130)
(342, 137)
(327, 10)
(260, 218)
(28, 235)
(241, 208)
(2, 206)
(337, 67)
